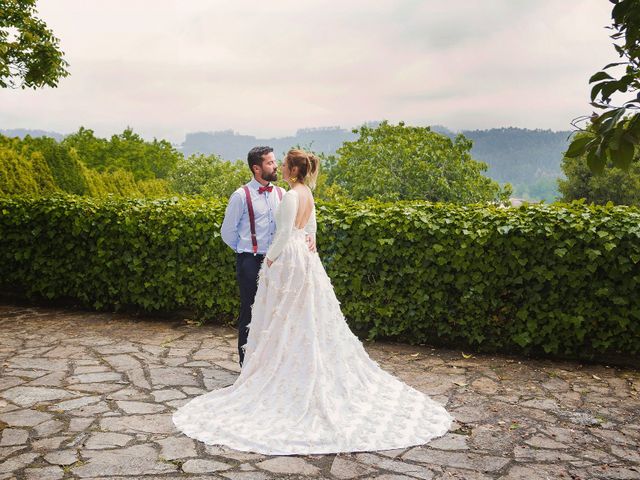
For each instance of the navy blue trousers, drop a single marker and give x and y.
(247, 268)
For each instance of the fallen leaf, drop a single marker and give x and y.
(467, 356)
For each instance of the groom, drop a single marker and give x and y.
(248, 228)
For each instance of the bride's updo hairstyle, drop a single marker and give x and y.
(307, 163)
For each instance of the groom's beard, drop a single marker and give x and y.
(272, 177)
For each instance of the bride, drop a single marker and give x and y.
(307, 385)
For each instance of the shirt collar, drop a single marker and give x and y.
(256, 184)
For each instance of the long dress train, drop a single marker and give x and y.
(307, 385)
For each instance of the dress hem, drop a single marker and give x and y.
(322, 451)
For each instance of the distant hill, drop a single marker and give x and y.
(528, 159)
(517, 155)
(233, 146)
(23, 132)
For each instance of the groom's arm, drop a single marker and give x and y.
(232, 216)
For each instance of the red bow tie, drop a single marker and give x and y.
(265, 189)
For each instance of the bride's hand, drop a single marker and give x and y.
(269, 262)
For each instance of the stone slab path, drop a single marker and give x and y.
(90, 395)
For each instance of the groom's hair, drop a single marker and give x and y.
(255, 156)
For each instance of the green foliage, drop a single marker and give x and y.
(29, 52)
(612, 137)
(154, 188)
(553, 278)
(107, 253)
(127, 151)
(327, 191)
(41, 165)
(431, 166)
(514, 155)
(208, 176)
(24, 173)
(121, 183)
(398, 162)
(612, 185)
(42, 175)
(559, 278)
(63, 163)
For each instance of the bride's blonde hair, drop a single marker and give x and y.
(307, 163)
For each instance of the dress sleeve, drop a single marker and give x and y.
(285, 218)
(311, 225)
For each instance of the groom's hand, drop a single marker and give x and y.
(311, 243)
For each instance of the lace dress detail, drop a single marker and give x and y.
(307, 385)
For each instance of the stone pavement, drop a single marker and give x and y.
(90, 395)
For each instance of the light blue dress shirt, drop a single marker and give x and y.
(236, 228)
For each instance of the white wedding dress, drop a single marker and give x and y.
(307, 385)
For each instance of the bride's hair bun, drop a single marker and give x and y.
(308, 165)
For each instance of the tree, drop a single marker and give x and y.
(128, 151)
(23, 172)
(612, 185)
(91, 149)
(39, 166)
(63, 163)
(29, 52)
(612, 136)
(208, 176)
(325, 190)
(398, 162)
(121, 183)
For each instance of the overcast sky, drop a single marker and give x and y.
(267, 68)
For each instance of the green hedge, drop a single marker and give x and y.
(559, 278)
(110, 253)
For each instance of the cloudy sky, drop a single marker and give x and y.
(267, 68)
